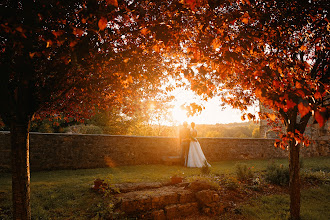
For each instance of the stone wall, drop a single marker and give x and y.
(74, 151)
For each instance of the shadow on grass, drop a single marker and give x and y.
(66, 194)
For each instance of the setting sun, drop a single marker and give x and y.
(179, 115)
(212, 113)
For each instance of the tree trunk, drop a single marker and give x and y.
(19, 134)
(294, 181)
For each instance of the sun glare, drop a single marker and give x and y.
(179, 115)
(212, 114)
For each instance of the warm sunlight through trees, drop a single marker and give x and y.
(75, 57)
(274, 51)
(72, 57)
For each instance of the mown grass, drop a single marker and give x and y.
(315, 205)
(66, 194)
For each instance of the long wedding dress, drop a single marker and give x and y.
(196, 156)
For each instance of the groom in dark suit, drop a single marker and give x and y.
(184, 136)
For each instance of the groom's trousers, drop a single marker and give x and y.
(184, 152)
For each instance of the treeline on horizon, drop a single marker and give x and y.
(138, 126)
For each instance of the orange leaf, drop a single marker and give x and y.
(144, 31)
(303, 48)
(216, 43)
(49, 43)
(31, 55)
(245, 20)
(156, 48)
(303, 110)
(250, 116)
(197, 54)
(272, 117)
(102, 23)
(258, 93)
(112, 2)
(298, 85)
(319, 118)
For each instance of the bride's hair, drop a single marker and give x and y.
(192, 124)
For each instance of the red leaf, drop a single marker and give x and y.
(290, 104)
(102, 23)
(191, 4)
(317, 95)
(19, 29)
(319, 118)
(112, 2)
(301, 93)
(73, 43)
(303, 109)
(78, 31)
(57, 33)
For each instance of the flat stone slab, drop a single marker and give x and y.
(157, 198)
(129, 187)
(166, 201)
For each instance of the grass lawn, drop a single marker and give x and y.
(66, 194)
(315, 205)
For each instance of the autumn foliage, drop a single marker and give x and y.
(74, 57)
(276, 52)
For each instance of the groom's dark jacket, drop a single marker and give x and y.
(184, 134)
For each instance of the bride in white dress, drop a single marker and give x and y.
(196, 156)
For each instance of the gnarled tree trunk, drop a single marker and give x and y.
(19, 135)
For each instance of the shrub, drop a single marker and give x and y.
(315, 177)
(243, 173)
(105, 209)
(84, 129)
(211, 181)
(277, 174)
(231, 183)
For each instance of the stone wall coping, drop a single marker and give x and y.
(51, 151)
(135, 136)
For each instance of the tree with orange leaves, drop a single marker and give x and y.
(72, 57)
(273, 51)
(64, 56)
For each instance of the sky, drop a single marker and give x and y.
(212, 114)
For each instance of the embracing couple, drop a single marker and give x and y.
(191, 151)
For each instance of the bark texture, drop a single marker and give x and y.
(294, 181)
(20, 171)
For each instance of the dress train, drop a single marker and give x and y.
(196, 156)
